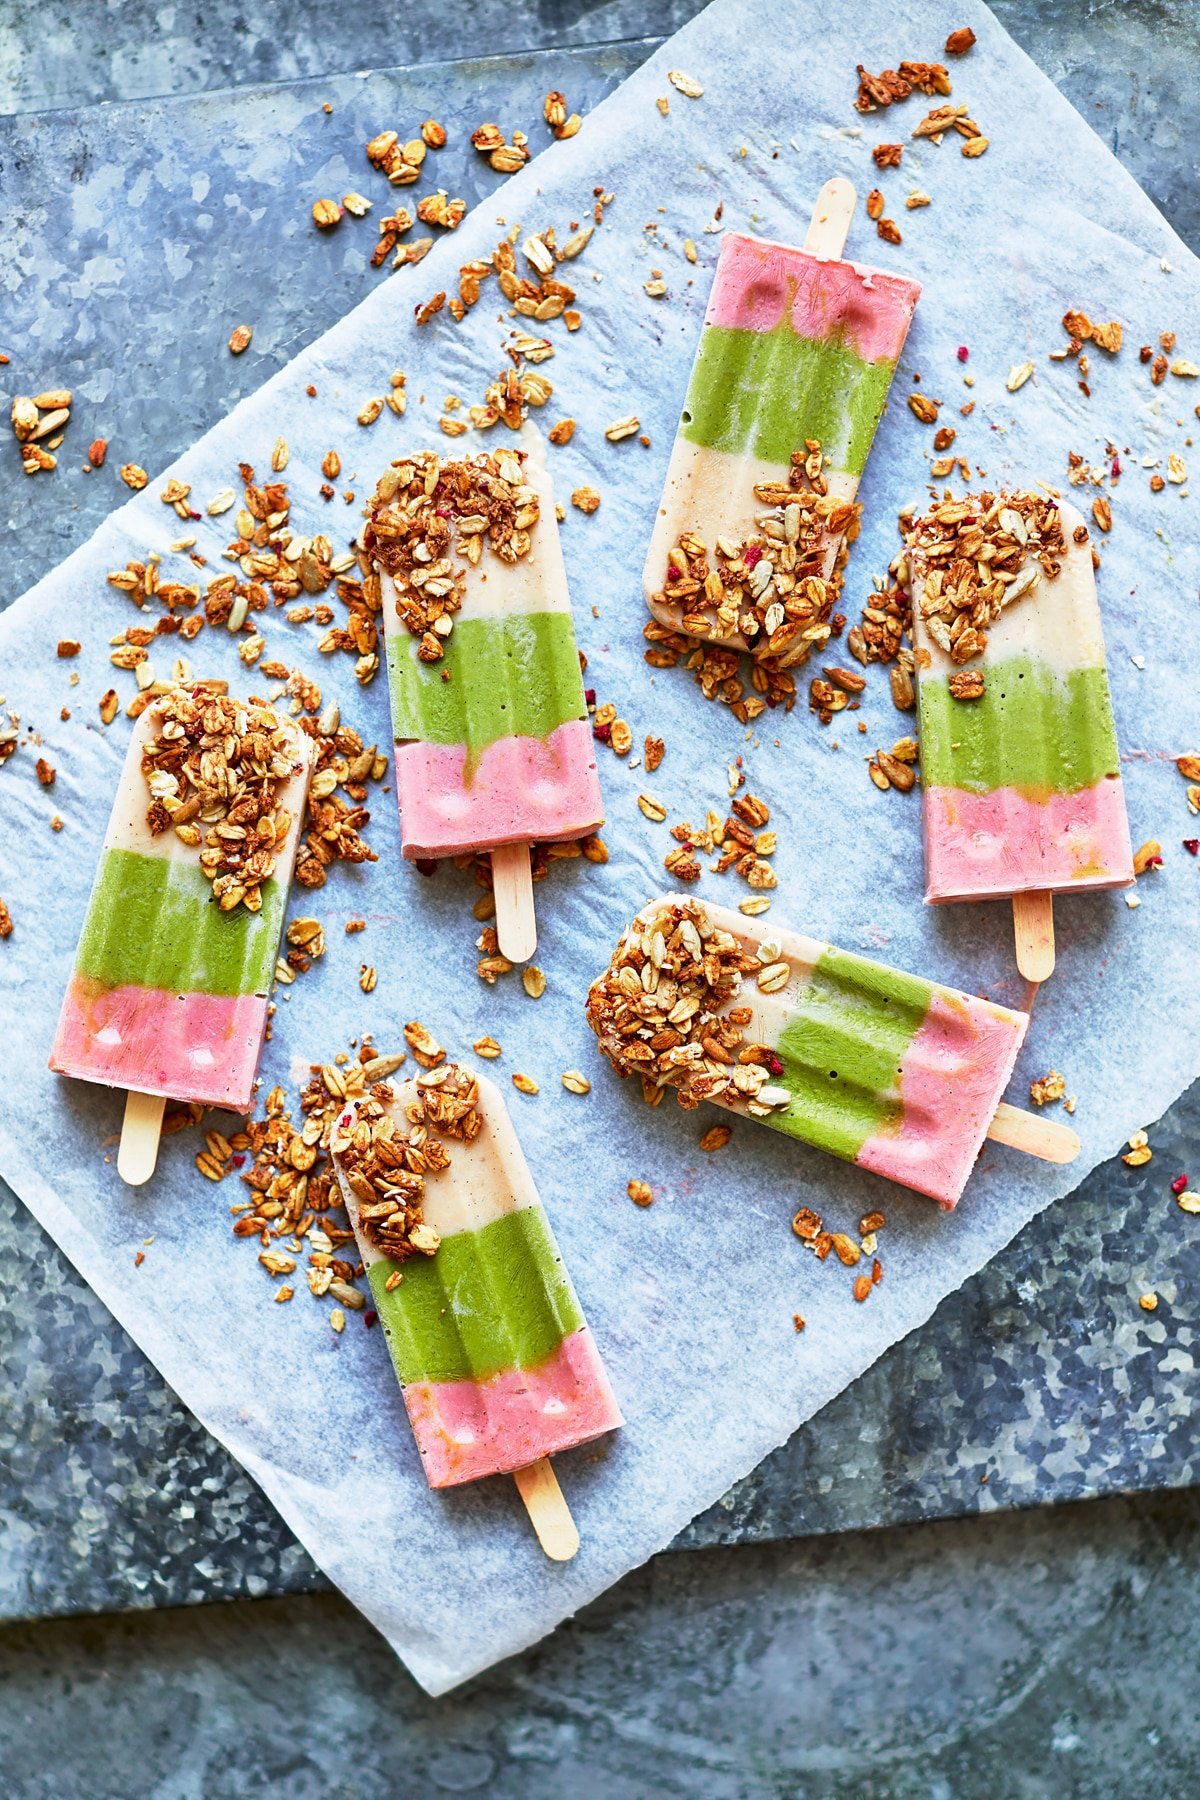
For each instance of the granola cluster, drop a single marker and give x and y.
(39, 425)
(386, 1167)
(775, 586)
(430, 519)
(667, 1009)
(215, 768)
(275, 563)
(977, 556)
(897, 84)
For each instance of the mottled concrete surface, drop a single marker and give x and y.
(1022, 1654)
(1038, 1654)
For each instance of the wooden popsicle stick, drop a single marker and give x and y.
(549, 1513)
(829, 226)
(1020, 1130)
(140, 1128)
(512, 885)
(1033, 924)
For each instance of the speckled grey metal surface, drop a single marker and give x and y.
(1040, 1380)
(1009, 1659)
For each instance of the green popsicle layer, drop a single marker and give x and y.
(492, 1299)
(503, 675)
(762, 393)
(1034, 729)
(152, 922)
(842, 1051)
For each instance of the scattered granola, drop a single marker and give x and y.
(737, 841)
(45, 416)
(6, 924)
(504, 156)
(239, 338)
(640, 1192)
(1139, 1151)
(294, 1204)
(686, 84)
(554, 111)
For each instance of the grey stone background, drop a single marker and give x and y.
(1033, 1653)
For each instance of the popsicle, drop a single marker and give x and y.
(494, 750)
(886, 1070)
(498, 1368)
(168, 996)
(1019, 764)
(792, 371)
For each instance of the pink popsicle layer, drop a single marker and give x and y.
(952, 1078)
(201, 1047)
(759, 284)
(468, 1429)
(1003, 843)
(522, 790)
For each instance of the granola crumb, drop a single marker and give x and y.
(716, 1138)
(640, 1192)
(6, 924)
(1047, 1088)
(798, 1321)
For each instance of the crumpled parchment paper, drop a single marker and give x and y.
(692, 1300)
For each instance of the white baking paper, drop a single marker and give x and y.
(691, 1301)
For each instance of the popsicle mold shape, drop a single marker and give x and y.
(495, 1359)
(488, 711)
(169, 990)
(886, 1070)
(1020, 772)
(792, 371)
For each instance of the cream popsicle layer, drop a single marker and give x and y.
(886, 1070)
(488, 711)
(169, 992)
(496, 1362)
(792, 371)
(1021, 782)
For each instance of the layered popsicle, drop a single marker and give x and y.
(488, 711)
(792, 371)
(886, 1070)
(169, 991)
(496, 1362)
(1019, 764)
